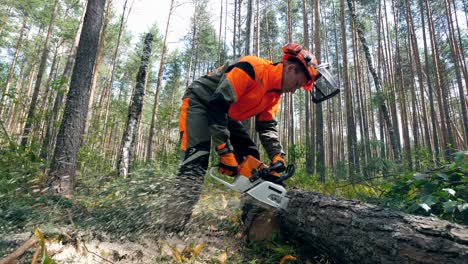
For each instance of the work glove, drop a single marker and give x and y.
(278, 163)
(227, 160)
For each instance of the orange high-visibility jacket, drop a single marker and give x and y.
(248, 87)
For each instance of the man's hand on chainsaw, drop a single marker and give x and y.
(278, 164)
(227, 160)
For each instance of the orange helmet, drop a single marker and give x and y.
(308, 59)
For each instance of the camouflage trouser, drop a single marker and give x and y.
(195, 137)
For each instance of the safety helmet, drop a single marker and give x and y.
(324, 88)
(307, 59)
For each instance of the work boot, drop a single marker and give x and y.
(185, 195)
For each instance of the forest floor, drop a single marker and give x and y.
(118, 223)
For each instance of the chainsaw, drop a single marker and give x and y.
(260, 181)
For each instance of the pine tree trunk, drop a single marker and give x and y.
(134, 111)
(12, 68)
(415, 125)
(234, 30)
(219, 62)
(414, 42)
(239, 27)
(51, 131)
(455, 51)
(257, 29)
(351, 145)
(377, 83)
(356, 98)
(43, 108)
(319, 144)
(447, 139)
(40, 72)
(401, 93)
(102, 38)
(12, 117)
(435, 136)
(308, 147)
(63, 165)
(248, 29)
(158, 85)
(350, 231)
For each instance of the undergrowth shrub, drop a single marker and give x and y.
(442, 192)
(17, 167)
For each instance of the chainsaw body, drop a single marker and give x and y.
(260, 182)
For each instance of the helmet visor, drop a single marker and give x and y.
(325, 86)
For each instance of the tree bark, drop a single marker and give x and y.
(435, 137)
(149, 154)
(455, 51)
(51, 131)
(308, 146)
(319, 144)
(442, 95)
(69, 137)
(12, 68)
(417, 60)
(401, 93)
(378, 85)
(248, 29)
(351, 126)
(234, 29)
(102, 38)
(351, 231)
(134, 110)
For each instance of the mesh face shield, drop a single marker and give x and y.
(325, 86)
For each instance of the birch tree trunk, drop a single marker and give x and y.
(134, 111)
(69, 137)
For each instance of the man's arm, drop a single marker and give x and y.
(267, 127)
(268, 134)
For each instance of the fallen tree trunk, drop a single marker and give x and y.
(351, 231)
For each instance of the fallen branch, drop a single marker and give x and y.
(19, 251)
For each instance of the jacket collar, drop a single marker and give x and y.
(274, 76)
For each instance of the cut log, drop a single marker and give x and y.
(351, 231)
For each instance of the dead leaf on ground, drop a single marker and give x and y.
(222, 258)
(196, 251)
(224, 202)
(287, 258)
